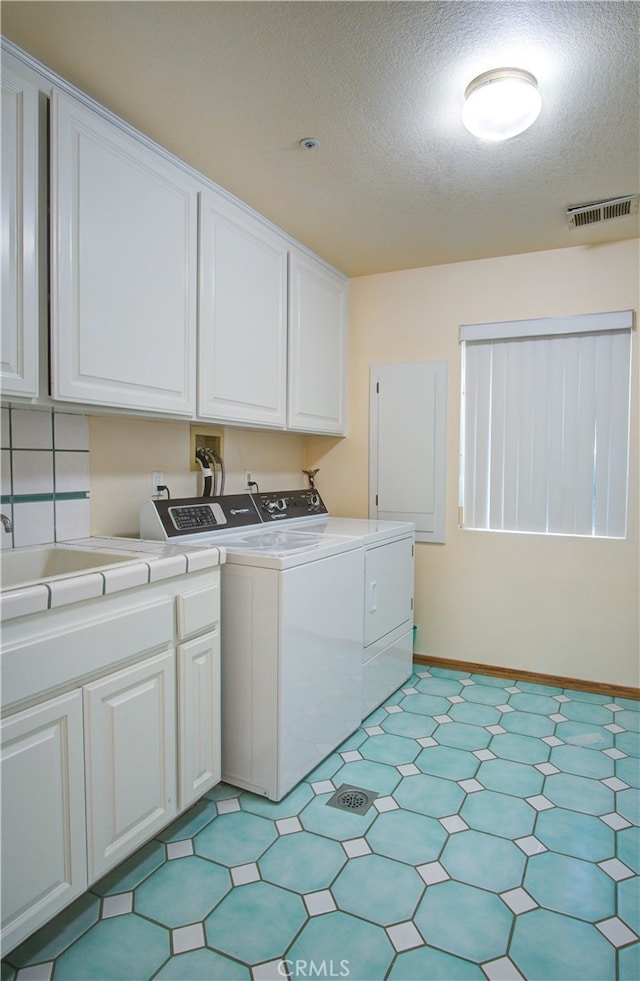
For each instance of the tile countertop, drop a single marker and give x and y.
(156, 561)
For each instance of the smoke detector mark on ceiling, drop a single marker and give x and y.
(588, 214)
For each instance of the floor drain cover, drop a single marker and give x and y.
(354, 799)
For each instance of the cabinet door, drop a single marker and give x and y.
(317, 346)
(19, 364)
(199, 716)
(389, 588)
(130, 759)
(43, 814)
(408, 446)
(124, 277)
(243, 317)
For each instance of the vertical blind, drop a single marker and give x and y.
(545, 425)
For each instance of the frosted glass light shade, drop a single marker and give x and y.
(501, 103)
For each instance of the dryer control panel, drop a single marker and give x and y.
(277, 505)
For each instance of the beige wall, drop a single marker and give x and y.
(564, 606)
(124, 452)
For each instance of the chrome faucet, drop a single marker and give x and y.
(6, 522)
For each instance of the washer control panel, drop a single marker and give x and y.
(289, 504)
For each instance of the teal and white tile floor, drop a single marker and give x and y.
(504, 843)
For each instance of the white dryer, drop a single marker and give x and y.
(316, 624)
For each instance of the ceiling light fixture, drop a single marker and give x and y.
(501, 103)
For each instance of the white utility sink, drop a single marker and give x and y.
(40, 563)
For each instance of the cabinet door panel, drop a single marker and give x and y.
(243, 317)
(19, 365)
(317, 347)
(124, 278)
(130, 759)
(199, 716)
(43, 814)
(389, 588)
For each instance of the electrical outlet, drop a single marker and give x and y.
(157, 480)
(248, 478)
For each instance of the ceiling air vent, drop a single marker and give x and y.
(588, 214)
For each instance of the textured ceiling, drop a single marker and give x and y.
(397, 182)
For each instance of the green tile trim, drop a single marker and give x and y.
(39, 498)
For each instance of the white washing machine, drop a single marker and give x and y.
(316, 624)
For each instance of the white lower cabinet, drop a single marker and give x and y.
(130, 726)
(43, 814)
(121, 732)
(199, 727)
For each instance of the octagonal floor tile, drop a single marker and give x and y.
(587, 712)
(425, 704)
(582, 762)
(519, 749)
(629, 963)
(492, 681)
(410, 724)
(289, 806)
(390, 749)
(462, 920)
(368, 774)
(508, 777)
(533, 703)
(629, 743)
(582, 734)
(629, 720)
(485, 694)
(333, 823)
(427, 962)
(528, 723)
(199, 883)
(628, 804)
(629, 903)
(629, 771)
(439, 686)
(365, 885)
(483, 860)
(498, 814)
(578, 835)
(628, 842)
(444, 761)
(235, 839)
(461, 735)
(433, 796)
(357, 950)
(303, 862)
(407, 837)
(570, 885)
(579, 793)
(202, 965)
(571, 950)
(228, 928)
(123, 947)
(475, 713)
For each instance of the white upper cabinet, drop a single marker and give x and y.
(20, 306)
(242, 350)
(317, 346)
(124, 267)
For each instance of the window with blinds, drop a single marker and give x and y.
(545, 425)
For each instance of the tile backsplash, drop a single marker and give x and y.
(44, 476)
